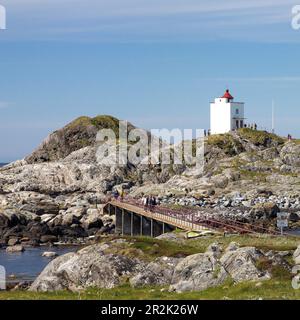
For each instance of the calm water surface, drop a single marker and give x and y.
(27, 265)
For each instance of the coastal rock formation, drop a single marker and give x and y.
(204, 270)
(99, 266)
(57, 191)
(158, 272)
(198, 272)
(89, 267)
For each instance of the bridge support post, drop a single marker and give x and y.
(151, 227)
(146, 229)
(122, 222)
(131, 224)
(118, 217)
(135, 224)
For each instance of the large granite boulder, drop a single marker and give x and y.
(198, 272)
(240, 264)
(296, 255)
(158, 272)
(210, 269)
(89, 267)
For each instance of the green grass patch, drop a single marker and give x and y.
(227, 143)
(271, 290)
(278, 272)
(260, 138)
(148, 248)
(253, 175)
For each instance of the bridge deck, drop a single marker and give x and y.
(168, 219)
(190, 220)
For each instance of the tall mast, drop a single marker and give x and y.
(273, 116)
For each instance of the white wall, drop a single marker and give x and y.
(234, 116)
(220, 118)
(223, 115)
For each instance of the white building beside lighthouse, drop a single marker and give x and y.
(226, 115)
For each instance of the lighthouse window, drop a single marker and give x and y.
(236, 111)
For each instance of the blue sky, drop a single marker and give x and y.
(155, 63)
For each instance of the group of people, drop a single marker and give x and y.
(289, 137)
(118, 195)
(252, 126)
(149, 202)
(207, 133)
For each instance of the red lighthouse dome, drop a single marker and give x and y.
(227, 95)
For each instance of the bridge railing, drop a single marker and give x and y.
(190, 217)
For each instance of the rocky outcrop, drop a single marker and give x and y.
(240, 264)
(89, 267)
(15, 248)
(76, 135)
(54, 191)
(98, 266)
(159, 272)
(264, 210)
(209, 269)
(198, 272)
(296, 256)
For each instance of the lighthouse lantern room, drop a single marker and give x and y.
(226, 115)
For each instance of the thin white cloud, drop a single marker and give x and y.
(143, 20)
(4, 104)
(141, 7)
(261, 79)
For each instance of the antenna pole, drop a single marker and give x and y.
(273, 115)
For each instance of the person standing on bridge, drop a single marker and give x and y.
(145, 202)
(116, 194)
(152, 201)
(122, 194)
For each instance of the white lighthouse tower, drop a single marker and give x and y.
(226, 115)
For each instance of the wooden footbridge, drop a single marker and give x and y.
(132, 218)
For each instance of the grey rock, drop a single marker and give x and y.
(48, 239)
(16, 248)
(158, 272)
(204, 270)
(49, 254)
(89, 267)
(12, 241)
(197, 272)
(176, 237)
(92, 219)
(240, 264)
(215, 249)
(233, 246)
(296, 255)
